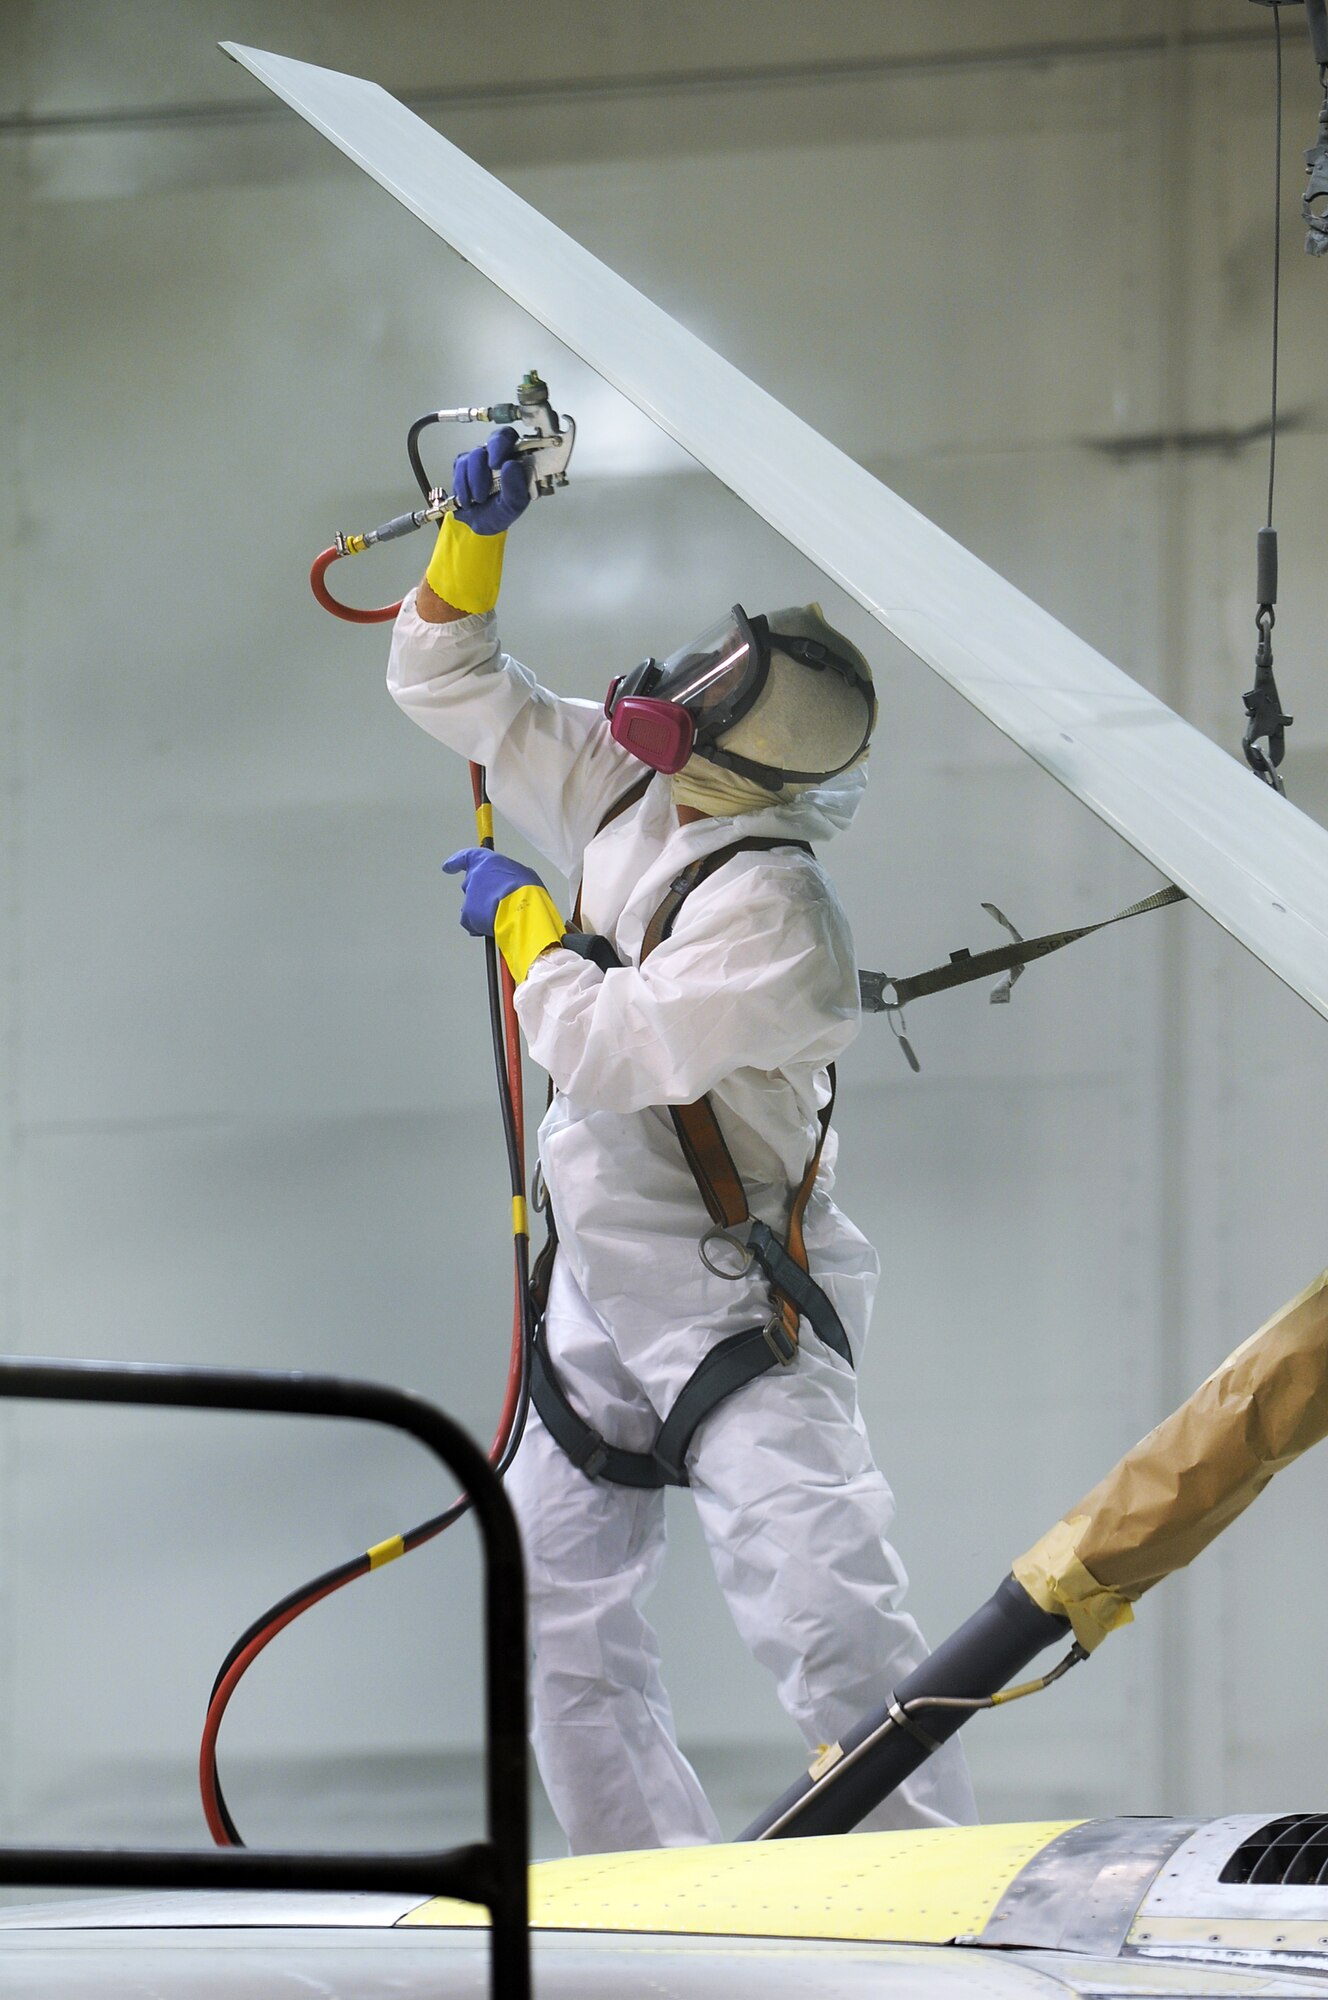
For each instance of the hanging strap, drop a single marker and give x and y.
(964, 966)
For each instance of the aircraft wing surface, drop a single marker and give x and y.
(1256, 864)
(1114, 1909)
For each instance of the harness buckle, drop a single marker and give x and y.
(776, 1337)
(595, 1459)
(539, 1193)
(719, 1234)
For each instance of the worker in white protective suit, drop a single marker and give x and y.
(741, 999)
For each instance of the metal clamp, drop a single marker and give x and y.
(871, 992)
(901, 1718)
(718, 1234)
(875, 999)
(1263, 706)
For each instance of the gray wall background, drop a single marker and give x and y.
(1014, 258)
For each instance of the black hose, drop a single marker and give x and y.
(413, 451)
(318, 1587)
(988, 1650)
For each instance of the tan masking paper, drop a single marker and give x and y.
(1188, 1479)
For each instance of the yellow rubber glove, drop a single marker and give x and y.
(492, 489)
(526, 923)
(466, 569)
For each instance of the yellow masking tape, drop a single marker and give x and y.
(386, 1552)
(922, 1887)
(520, 1226)
(1056, 1580)
(484, 821)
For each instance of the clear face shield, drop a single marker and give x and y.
(663, 712)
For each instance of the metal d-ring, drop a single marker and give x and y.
(718, 1234)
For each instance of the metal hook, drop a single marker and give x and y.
(894, 1014)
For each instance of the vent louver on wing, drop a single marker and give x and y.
(1293, 1850)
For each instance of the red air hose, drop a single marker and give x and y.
(507, 1057)
(220, 1824)
(318, 585)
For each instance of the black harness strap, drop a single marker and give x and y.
(696, 872)
(735, 1362)
(742, 1357)
(795, 1283)
(588, 1451)
(728, 1367)
(615, 811)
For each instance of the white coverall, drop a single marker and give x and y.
(749, 999)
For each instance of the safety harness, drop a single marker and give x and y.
(795, 1295)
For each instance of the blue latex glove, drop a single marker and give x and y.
(479, 508)
(489, 877)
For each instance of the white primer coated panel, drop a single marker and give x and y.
(1246, 856)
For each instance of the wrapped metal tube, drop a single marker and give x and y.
(1152, 1514)
(1187, 1480)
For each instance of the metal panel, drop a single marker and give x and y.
(1188, 1892)
(1081, 1893)
(1249, 858)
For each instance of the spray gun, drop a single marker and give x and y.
(546, 446)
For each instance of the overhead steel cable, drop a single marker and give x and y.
(1265, 720)
(1277, 261)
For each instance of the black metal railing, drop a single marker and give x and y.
(492, 1871)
